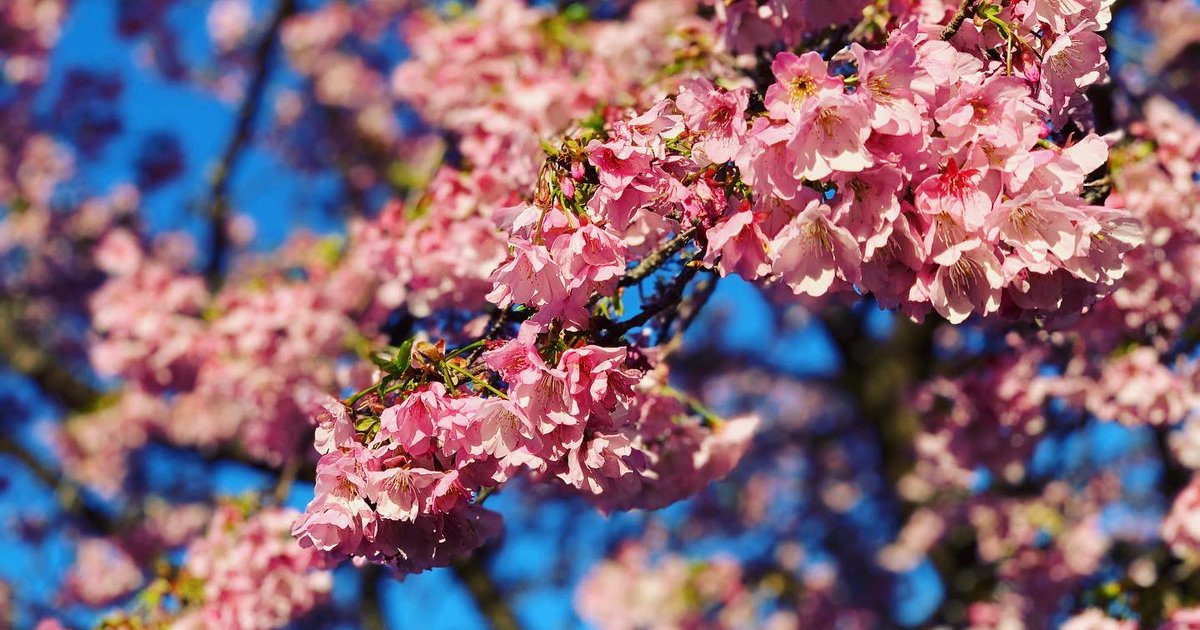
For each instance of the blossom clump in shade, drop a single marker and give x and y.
(103, 573)
(672, 592)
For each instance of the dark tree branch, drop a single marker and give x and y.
(656, 258)
(492, 603)
(669, 297)
(70, 495)
(24, 355)
(879, 377)
(688, 310)
(1175, 476)
(370, 608)
(965, 10)
(218, 195)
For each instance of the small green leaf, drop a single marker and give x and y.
(403, 357)
(381, 362)
(365, 423)
(576, 13)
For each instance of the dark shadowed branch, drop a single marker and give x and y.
(965, 10)
(218, 194)
(69, 494)
(879, 375)
(493, 605)
(22, 352)
(370, 608)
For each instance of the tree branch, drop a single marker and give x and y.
(218, 195)
(370, 609)
(879, 380)
(69, 494)
(21, 351)
(487, 595)
(670, 296)
(656, 258)
(965, 10)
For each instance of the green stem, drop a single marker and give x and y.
(486, 385)
(697, 406)
(471, 346)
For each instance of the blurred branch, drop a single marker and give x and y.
(879, 376)
(68, 493)
(965, 10)
(218, 207)
(487, 595)
(370, 610)
(25, 355)
(1175, 476)
(287, 477)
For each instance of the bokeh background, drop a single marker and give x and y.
(145, 93)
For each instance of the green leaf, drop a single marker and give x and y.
(380, 362)
(576, 13)
(989, 11)
(403, 357)
(365, 423)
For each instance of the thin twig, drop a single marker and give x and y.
(656, 258)
(689, 310)
(667, 298)
(965, 10)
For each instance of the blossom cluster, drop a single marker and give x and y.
(401, 475)
(107, 570)
(671, 593)
(255, 576)
(1123, 364)
(989, 420)
(926, 173)
(248, 362)
(502, 79)
(102, 573)
(922, 175)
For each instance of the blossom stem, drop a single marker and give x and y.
(691, 401)
(486, 385)
(471, 346)
(359, 394)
